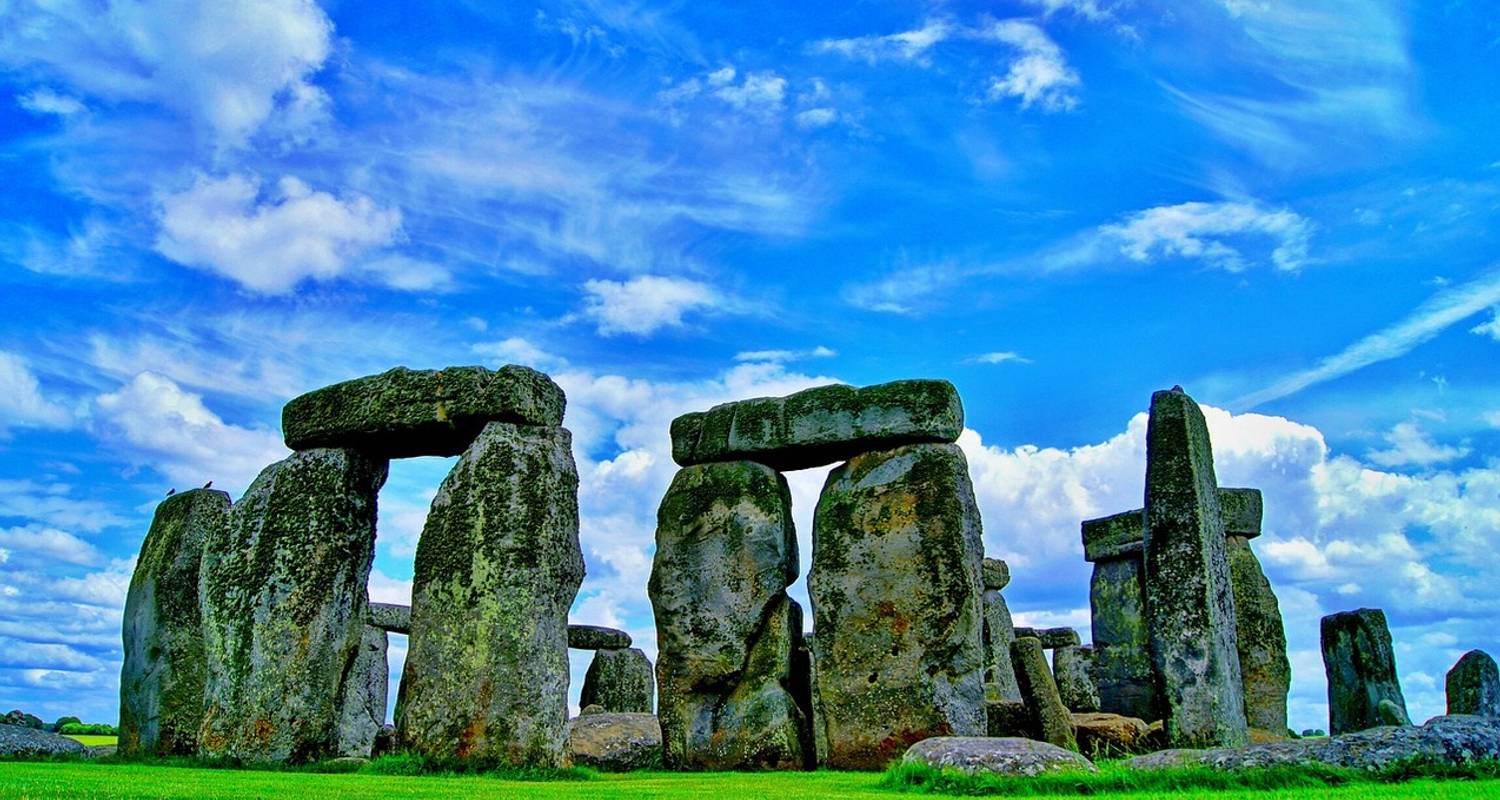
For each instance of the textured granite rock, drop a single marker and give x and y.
(1005, 717)
(162, 677)
(1051, 638)
(497, 568)
(1241, 511)
(1473, 685)
(1361, 669)
(1260, 637)
(999, 632)
(615, 742)
(20, 740)
(1071, 668)
(390, 617)
(282, 589)
(1122, 651)
(621, 681)
(994, 574)
(362, 706)
(1190, 612)
(995, 756)
(895, 587)
(1109, 735)
(820, 426)
(726, 631)
(1050, 720)
(404, 412)
(597, 637)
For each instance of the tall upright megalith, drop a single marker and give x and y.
(496, 569)
(1361, 668)
(161, 680)
(363, 702)
(1473, 685)
(1260, 635)
(726, 630)
(895, 589)
(1122, 671)
(282, 588)
(999, 631)
(1190, 609)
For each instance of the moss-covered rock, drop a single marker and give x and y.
(1050, 721)
(1071, 668)
(390, 617)
(496, 569)
(1241, 510)
(1473, 685)
(1190, 601)
(999, 632)
(597, 637)
(994, 574)
(726, 631)
(620, 681)
(1122, 650)
(283, 596)
(1051, 638)
(161, 680)
(1361, 669)
(1261, 639)
(820, 426)
(362, 706)
(895, 590)
(405, 412)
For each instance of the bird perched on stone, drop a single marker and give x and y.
(208, 485)
(171, 491)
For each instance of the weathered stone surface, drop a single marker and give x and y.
(1122, 650)
(1109, 735)
(895, 587)
(726, 631)
(1361, 668)
(1071, 668)
(1005, 717)
(597, 637)
(1389, 712)
(820, 426)
(805, 680)
(1050, 721)
(615, 742)
(1264, 668)
(1190, 610)
(1452, 740)
(1115, 536)
(994, 574)
(621, 681)
(161, 680)
(1473, 685)
(20, 740)
(999, 632)
(496, 569)
(1051, 638)
(1241, 510)
(390, 617)
(590, 710)
(995, 756)
(362, 707)
(404, 412)
(282, 589)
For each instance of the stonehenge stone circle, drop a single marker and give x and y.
(403, 412)
(496, 570)
(162, 679)
(1190, 608)
(282, 591)
(895, 586)
(1361, 668)
(1123, 674)
(1050, 720)
(1473, 685)
(1259, 632)
(726, 630)
(819, 426)
(620, 681)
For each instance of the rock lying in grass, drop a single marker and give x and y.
(615, 742)
(995, 756)
(16, 740)
(1453, 740)
(1109, 734)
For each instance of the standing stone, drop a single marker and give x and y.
(1071, 666)
(161, 681)
(1361, 668)
(895, 590)
(1050, 720)
(1266, 671)
(497, 567)
(1117, 601)
(597, 637)
(726, 631)
(1190, 611)
(999, 632)
(362, 708)
(620, 681)
(1473, 685)
(283, 597)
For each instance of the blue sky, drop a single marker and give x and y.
(1288, 208)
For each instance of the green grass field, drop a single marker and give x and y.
(95, 780)
(91, 740)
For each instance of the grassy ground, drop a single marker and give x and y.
(94, 780)
(92, 741)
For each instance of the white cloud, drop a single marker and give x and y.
(648, 303)
(153, 422)
(53, 504)
(229, 65)
(1444, 309)
(1491, 328)
(783, 356)
(1200, 230)
(1000, 357)
(46, 101)
(22, 403)
(1088, 9)
(911, 46)
(1040, 76)
(757, 92)
(1410, 445)
(271, 244)
(816, 118)
(41, 546)
(518, 350)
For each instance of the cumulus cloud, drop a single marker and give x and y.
(54, 503)
(816, 118)
(1410, 445)
(519, 350)
(911, 46)
(22, 403)
(39, 546)
(228, 65)
(1040, 75)
(647, 303)
(269, 244)
(1203, 231)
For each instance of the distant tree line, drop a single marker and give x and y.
(64, 725)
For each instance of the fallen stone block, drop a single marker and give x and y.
(996, 756)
